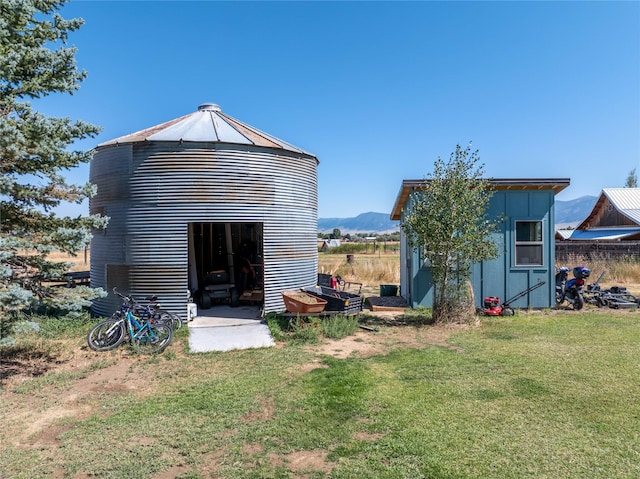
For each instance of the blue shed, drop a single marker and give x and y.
(526, 239)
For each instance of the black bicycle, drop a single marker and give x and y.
(160, 314)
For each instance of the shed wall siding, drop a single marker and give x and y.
(501, 277)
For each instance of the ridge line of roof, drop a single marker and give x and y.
(213, 123)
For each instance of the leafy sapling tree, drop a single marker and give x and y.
(35, 153)
(448, 223)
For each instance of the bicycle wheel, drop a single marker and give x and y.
(171, 319)
(107, 335)
(153, 338)
(177, 321)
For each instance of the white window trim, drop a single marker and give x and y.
(517, 243)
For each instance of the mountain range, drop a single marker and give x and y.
(571, 213)
(568, 214)
(363, 223)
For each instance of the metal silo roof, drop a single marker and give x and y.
(207, 124)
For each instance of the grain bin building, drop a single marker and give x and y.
(200, 203)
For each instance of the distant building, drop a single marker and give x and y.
(615, 217)
(330, 243)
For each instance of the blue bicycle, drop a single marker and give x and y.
(140, 324)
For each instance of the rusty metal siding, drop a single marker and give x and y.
(153, 190)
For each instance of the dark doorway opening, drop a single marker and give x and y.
(225, 263)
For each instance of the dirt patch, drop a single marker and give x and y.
(264, 412)
(172, 473)
(366, 436)
(212, 462)
(395, 334)
(252, 449)
(307, 460)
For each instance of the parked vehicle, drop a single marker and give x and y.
(571, 290)
(218, 288)
(562, 275)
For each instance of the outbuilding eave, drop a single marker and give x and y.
(554, 184)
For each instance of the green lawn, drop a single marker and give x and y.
(533, 396)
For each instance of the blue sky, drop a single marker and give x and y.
(377, 90)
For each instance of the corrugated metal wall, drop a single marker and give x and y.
(153, 190)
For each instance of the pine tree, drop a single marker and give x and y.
(449, 225)
(35, 152)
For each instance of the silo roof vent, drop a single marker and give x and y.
(209, 107)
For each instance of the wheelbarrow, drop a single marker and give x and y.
(493, 307)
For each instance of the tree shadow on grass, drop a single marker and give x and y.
(24, 361)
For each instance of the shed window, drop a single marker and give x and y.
(529, 243)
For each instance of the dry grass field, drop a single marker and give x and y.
(81, 261)
(374, 269)
(371, 270)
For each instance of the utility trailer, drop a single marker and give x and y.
(616, 297)
(337, 301)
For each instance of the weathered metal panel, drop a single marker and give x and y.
(152, 191)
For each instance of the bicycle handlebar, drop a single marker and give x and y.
(126, 299)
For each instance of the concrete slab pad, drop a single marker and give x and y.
(223, 328)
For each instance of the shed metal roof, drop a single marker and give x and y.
(625, 200)
(207, 124)
(604, 234)
(555, 184)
